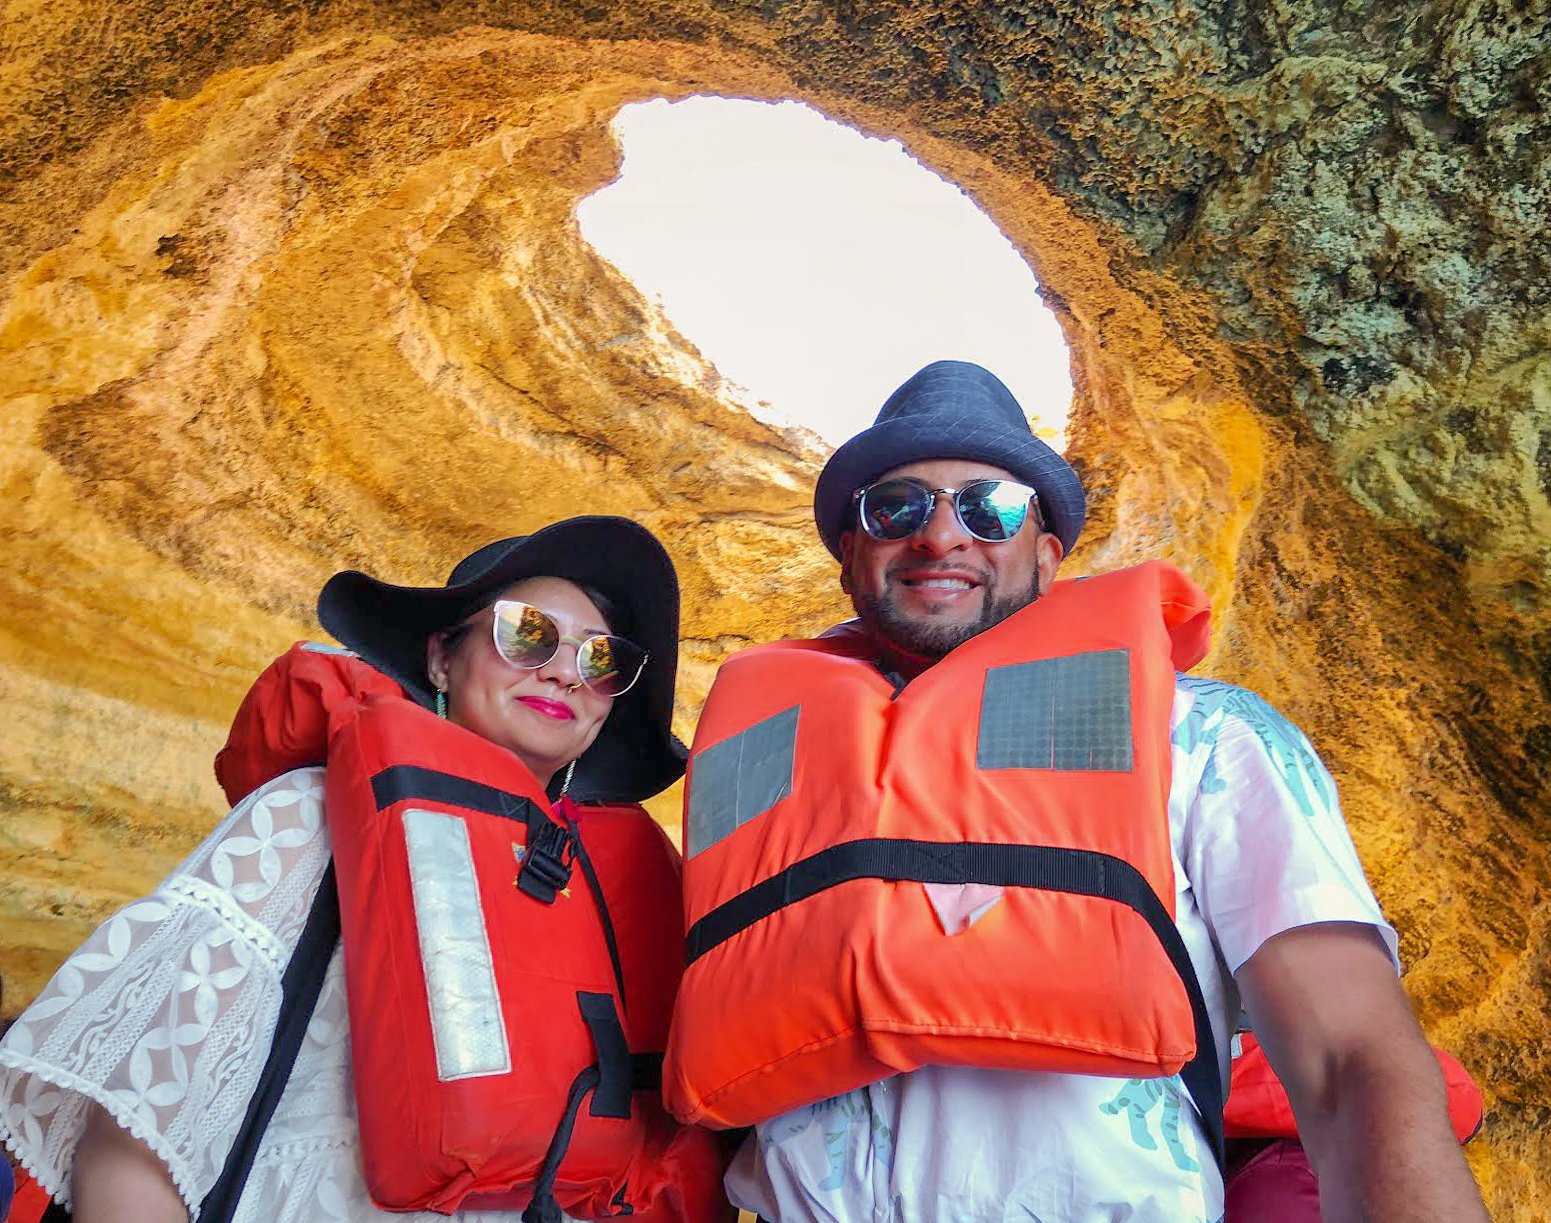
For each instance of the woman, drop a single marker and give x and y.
(206, 1053)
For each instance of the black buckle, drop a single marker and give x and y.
(546, 864)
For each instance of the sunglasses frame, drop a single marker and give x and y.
(953, 495)
(560, 640)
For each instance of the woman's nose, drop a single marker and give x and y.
(563, 667)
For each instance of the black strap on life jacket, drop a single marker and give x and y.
(546, 859)
(546, 864)
(646, 1071)
(1078, 871)
(609, 1080)
(591, 875)
(299, 990)
(399, 782)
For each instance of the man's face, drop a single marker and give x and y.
(934, 590)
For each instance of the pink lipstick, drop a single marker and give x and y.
(550, 709)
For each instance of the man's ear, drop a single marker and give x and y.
(847, 540)
(1048, 554)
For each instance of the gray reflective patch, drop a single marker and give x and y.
(467, 1028)
(740, 779)
(1058, 713)
(322, 647)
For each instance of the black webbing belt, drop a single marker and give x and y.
(610, 1080)
(549, 844)
(585, 861)
(299, 990)
(408, 781)
(1079, 871)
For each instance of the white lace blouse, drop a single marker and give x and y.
(165, 1016)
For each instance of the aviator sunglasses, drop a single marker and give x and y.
(527, 636)
(992, 511)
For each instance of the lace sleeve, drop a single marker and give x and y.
(165, 1015)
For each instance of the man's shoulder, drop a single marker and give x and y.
(1204, 708)
(1216, 722)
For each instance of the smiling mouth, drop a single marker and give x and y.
(550, 709)
(938, 583)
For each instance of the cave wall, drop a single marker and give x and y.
(286, 288)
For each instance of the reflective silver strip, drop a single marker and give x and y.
(466, 1023)
(740, 779)
(1069, 713)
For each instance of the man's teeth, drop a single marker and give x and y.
(941, 583)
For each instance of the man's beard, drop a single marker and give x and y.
(931, 638)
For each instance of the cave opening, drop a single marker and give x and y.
(817, 267)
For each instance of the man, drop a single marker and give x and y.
(950, 521)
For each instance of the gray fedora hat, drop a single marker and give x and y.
(950, 410)
(636, 754)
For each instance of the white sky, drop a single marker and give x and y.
(815, 266)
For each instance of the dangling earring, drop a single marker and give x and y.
(565, 786)
(441, 702)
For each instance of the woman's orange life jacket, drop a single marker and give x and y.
(974, 870)
(510, 963)
(30, 1203)
(1258, 1106)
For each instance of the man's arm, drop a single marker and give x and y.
(1364, 1085)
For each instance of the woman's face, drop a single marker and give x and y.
(546, 716)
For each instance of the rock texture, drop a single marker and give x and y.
(288, 287)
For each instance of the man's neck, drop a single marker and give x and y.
(893, 659)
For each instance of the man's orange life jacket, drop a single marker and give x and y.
(510, 963)
(974, 870)
(1258, 1106)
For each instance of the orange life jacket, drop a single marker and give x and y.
(285, 720)
(30, 1203)
(510, 963)
(1258, 1106)
(831, 823)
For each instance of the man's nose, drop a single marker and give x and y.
(943, 532)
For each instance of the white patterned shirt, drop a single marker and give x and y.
(1259, 847)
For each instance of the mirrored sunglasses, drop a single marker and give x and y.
(992, 511)
(527, 636)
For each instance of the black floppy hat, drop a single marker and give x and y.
(636, 754)
(950, 410)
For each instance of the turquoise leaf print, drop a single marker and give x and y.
(1137, 1099)
(1290, 753)
(1199, 727)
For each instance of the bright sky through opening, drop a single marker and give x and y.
(817, 267)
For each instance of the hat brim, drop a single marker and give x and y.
(893, 443)
(636, 754)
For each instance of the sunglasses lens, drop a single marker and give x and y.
(993, 510)
(610, 666)
(894, 509)
(524, 635)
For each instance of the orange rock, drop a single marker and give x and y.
(289, 288)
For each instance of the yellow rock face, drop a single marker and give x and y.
(286, 289)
